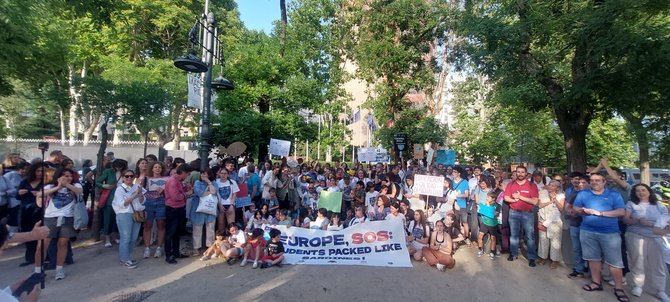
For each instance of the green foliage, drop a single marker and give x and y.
(419, 129)
(392, 48)
(610, 139)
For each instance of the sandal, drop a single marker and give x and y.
(621, 295)
(589, 287)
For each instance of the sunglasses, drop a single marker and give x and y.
(128, 176)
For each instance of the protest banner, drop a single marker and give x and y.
(376, 243)
(373, 155)
(331, 201)
(428, 185)
(279, 147)
(418, 151)
(446, 157)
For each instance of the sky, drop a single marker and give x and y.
(259, 14)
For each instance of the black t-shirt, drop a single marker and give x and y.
(275, 247)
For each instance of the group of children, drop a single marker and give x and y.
(251, 247)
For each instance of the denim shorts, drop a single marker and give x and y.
(596, 246)
(155, 209)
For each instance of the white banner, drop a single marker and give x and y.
(194, 90)
(194, 93)
(279, 147)
(376, 243)
(428, 185)
(373, 155)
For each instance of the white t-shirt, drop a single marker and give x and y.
(334, 227)
(237, 238)
(340, 184)
(371, 199)
(226, 190)
(6, 295)
(664, 241)
(61, 202)
(319, 223)
(400, 217)
(242, 173)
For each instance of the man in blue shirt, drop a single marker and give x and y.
(463, 192)
(579, 182)
(600, 209)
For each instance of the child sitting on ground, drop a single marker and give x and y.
(275, 250)
(255, 248)
(217, 248)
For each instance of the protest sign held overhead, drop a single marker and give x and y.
(279, 147)
(331, 201)
(376, 243)
(428, 185)
(373, 155)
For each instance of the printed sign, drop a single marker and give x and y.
(373, 155)
(428, 185)
(375, 243)
(418, 151)
(331, 201)
(446, 157)
(279, 147)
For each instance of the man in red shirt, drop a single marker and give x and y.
(522, 196)
(175, 212)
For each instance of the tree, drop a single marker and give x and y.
(551, 54)
(391, 45)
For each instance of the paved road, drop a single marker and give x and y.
(97, 276)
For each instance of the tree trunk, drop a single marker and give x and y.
(74, 102)
(636, 126)
(264, 139)
(284, 21)
(574, 124)
(91, 128)
(63, 135)
(98, 171)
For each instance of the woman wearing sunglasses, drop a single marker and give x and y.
(128, 198)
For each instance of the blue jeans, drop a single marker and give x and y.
(578, 262)
(128, 232)
(517, 220)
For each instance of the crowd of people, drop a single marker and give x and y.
(495, 211)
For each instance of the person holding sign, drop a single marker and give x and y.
(226, 189)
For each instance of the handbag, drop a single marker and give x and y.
(104, 196)
(208, 205)
(80, 216)
(138, 216)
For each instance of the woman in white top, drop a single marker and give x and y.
(419, 235)
(226, 189)
(550, 225)
(61, 196)
(335, 223)
(128, 198)
(321, 222)
(395, 214)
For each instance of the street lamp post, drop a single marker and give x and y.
(206, 90)
(211, 53)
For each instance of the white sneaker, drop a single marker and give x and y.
(108, 244)
(147, 253)
(480, 253)
(255, 264)
(205, 258)
(611, 282)
(60, 275)
(636, 291)
(117, 241)
(244, 262)
(441, 267)
(129, 264)
(158, 253)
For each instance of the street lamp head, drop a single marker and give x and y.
(221, 83)
(190, 63)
